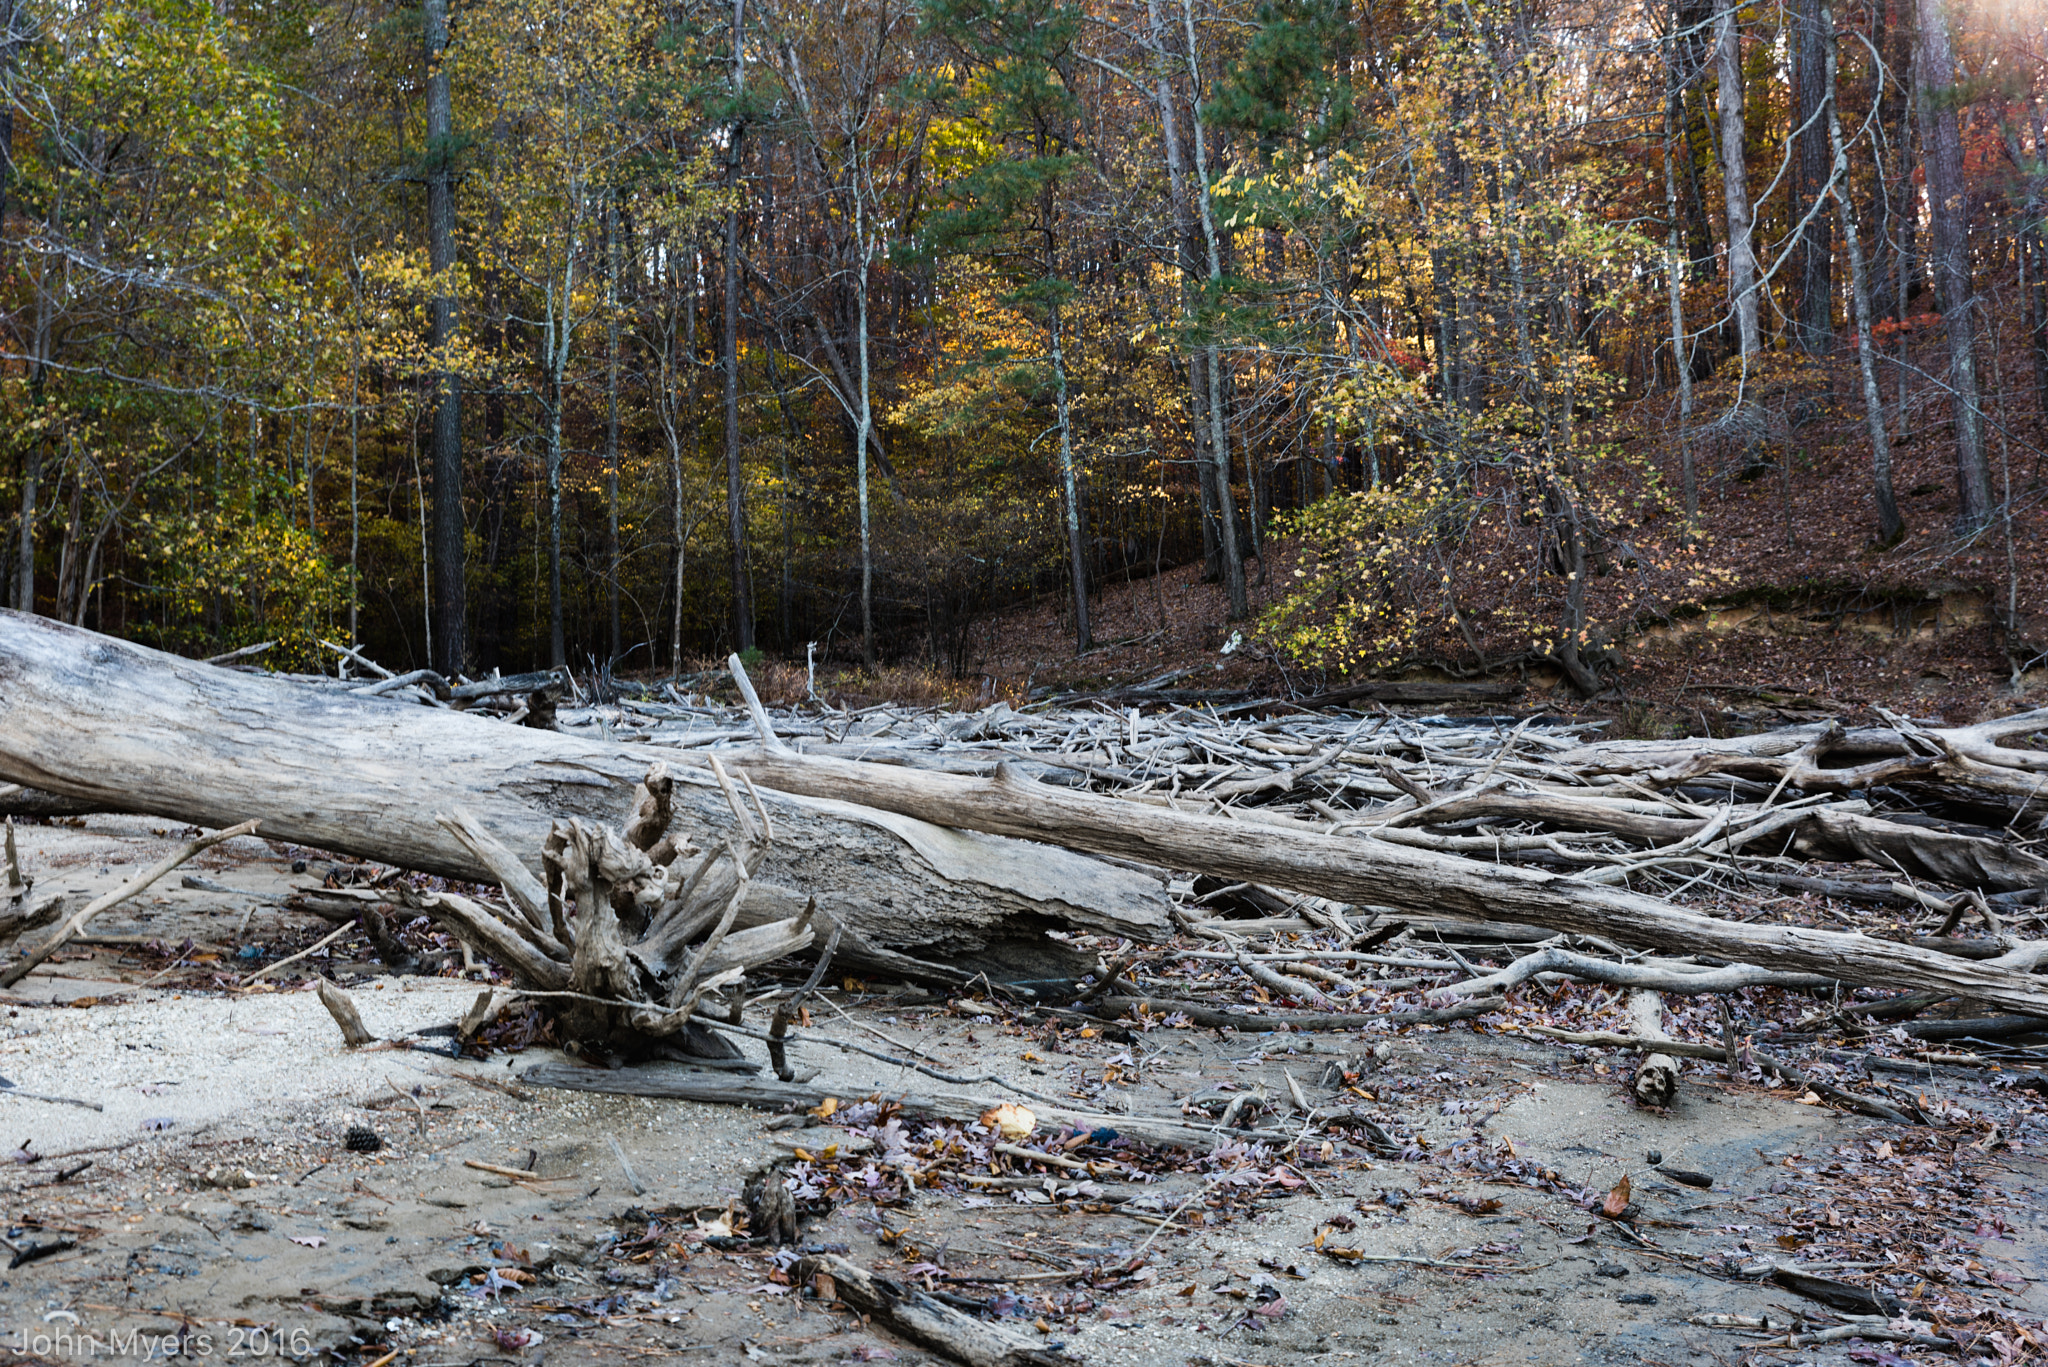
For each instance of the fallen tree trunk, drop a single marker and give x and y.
(1356, 869)
(668, 1080)
(89, 717)
(924, 1319)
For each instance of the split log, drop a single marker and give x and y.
(134, 729)
(628, 932)
(1294, 856)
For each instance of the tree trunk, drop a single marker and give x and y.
(1813, 46)
(1681, 338)
(735, 489)
(2034, 249)
(1742, 283)
(449, 649)
(614, 639)
(25, 546)
(866, 425)
(557, 337)
(1184, 236)
(1889, 524)
(138, 730)
(1219, 438)
(1070, 488)
(1354, 869)
(1948, 218)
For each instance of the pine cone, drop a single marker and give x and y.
(362, 1139)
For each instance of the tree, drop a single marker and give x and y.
(853, 134)
(1948, 258)
(1742, 274)
(735, 487)
(1007, 208)
(1889, 524)
(1813, 173)
(450, 593)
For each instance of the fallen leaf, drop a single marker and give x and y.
(1617, 1200)
(1010, 1120)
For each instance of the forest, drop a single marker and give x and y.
(621, 333)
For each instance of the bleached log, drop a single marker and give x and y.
(134, 729)
(1299, 858)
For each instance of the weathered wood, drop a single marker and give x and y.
(679, 1083)
(1969, 757)
(86, 716)
(1209, 1018)
(1359, 869)
(133, 884)
(342, 1007)
(32, 804)
(924, 1319)
(1656, 1081)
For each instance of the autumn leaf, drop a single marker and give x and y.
(1617, 1200)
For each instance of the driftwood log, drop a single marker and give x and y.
(133, 729)
(628, 931)
(1291, 855)
(923, 1318)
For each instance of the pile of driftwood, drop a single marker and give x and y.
(943, 848)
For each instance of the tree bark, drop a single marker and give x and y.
(450, 648)
(1185, 236)
(1364, 870)
(1948, 218)
(86, 716)
(1889, 524)
(1742, 283)
(1813, 43)
(1681, 337)
(1070, 487)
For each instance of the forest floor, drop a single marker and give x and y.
(222, 1213)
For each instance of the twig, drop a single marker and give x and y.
(233, 655)
(365, 661)
(12, 1090)
(632, 1178)
(516, 1174)
(136, 883)
(319, 944)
